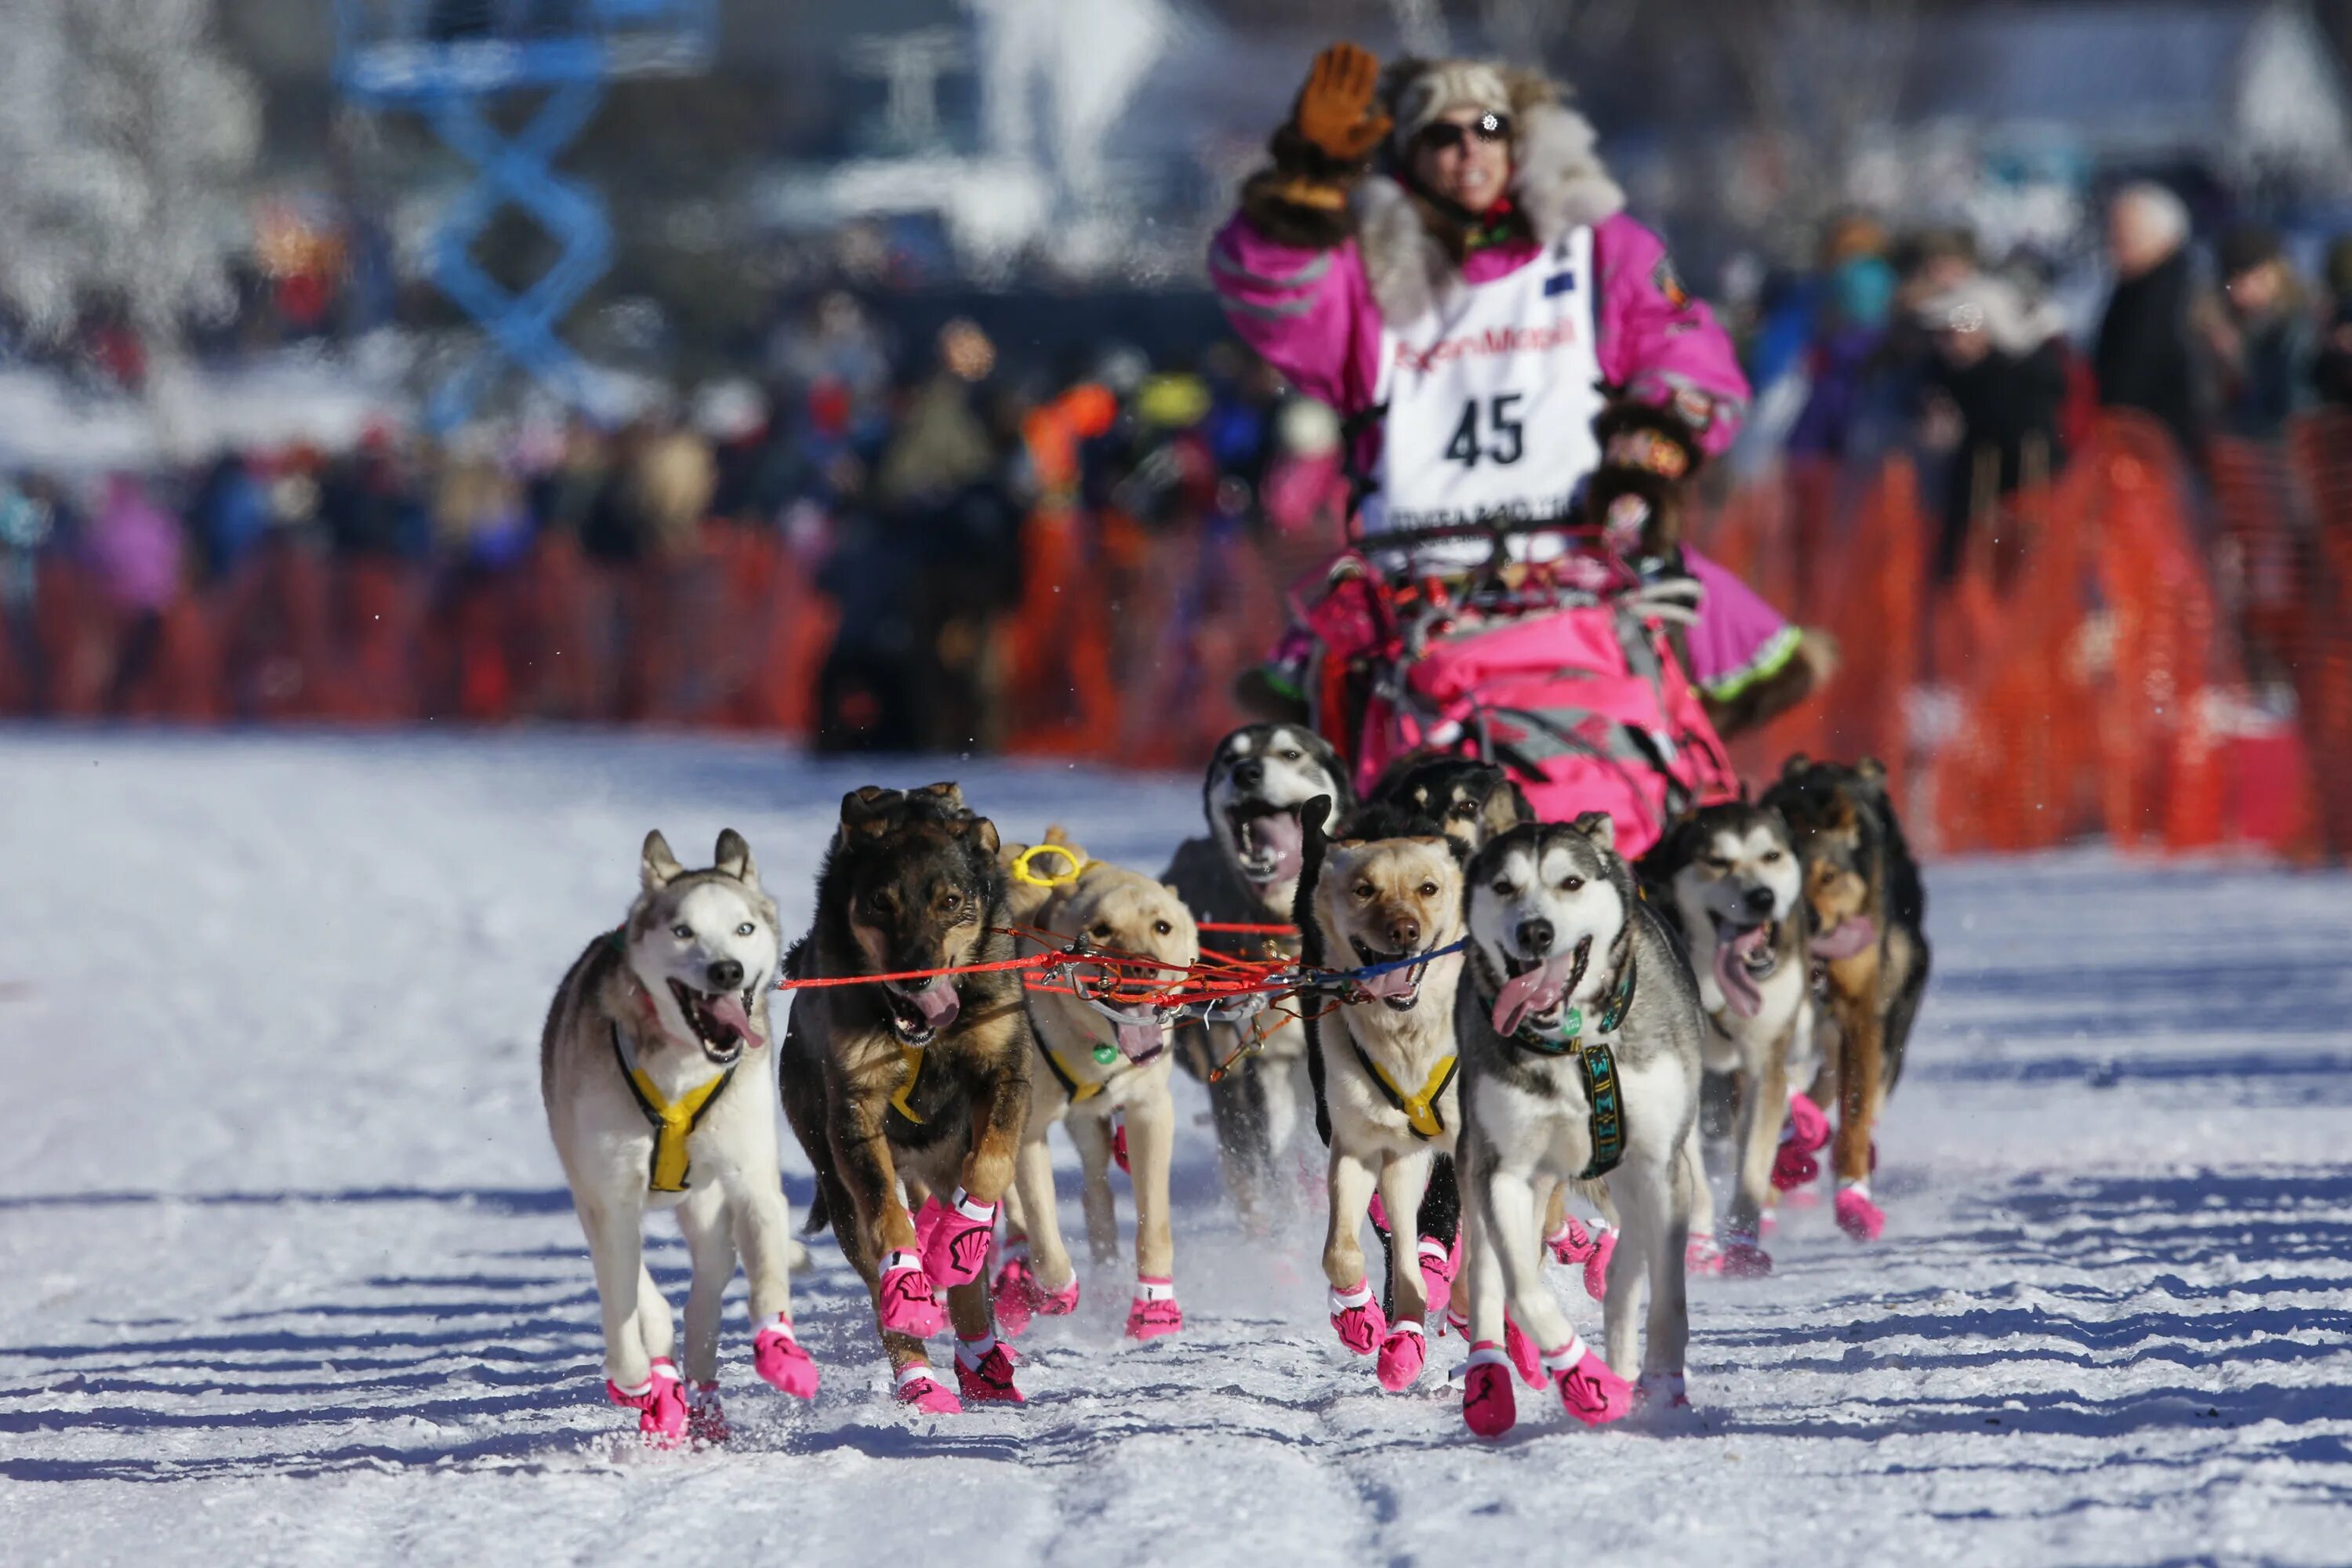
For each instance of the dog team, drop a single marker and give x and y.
(1501, 1022)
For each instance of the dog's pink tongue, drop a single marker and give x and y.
(1139, 1040)
(1739, 989)
(1395, 982)
(728, 1008)
(1281, 832)
(1848, 937)
(1537, 990)
(938, 1002)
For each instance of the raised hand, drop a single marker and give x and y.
(1335, 108)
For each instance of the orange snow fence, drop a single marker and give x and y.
(2113, 658)
(2104, 663)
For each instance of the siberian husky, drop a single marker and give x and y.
(1729, 876)
(653, 1067)
(1246, 872)
(1580, 1030)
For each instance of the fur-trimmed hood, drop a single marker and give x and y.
(1412, 250)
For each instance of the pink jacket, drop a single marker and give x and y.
(1314, 317)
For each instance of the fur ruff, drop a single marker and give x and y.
(1411, 251)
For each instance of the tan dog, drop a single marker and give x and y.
(1389, 890)
(1101, 1061)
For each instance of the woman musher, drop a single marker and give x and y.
(1438, 253)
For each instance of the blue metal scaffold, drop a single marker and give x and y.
(449, 60)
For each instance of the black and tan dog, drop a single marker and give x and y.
(1473, 801)
(924, 1080)
(1869, 937)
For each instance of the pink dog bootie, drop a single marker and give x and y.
(1571, 1244)
(1596, 1267)
(1792, 1171)
(1118, 1144)
(955, 1248)
(1744, 1257)
(917, 1387)
(706, 1422)
(780, 1363)
(659, 1402)
(1806, 1130)
(1154, 1311)
(1402, 1354)
(1488, 1406)
(1440, 1265)
(907, 1307)
(984, 1372)
(1014, 1295)
(1857, 1215)
(1357, 1317)
(1588, 1389)
(1702, 1256)
(1522, 1352)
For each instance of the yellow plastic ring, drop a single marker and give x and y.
(1022, 872)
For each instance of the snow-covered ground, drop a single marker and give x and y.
(287, 1274)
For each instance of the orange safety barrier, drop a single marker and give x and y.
(2084, 674)
(2321, 446)
(2096, 669)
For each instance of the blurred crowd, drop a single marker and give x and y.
(900, 477)
(1917, 342)
(903, 475)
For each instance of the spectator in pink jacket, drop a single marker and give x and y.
(1438, 253)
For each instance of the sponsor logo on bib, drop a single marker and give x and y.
(1492, 342)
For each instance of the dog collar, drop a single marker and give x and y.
(1570, 1037)
(673, 1120)
(1419, 1110)
(1596, 1063)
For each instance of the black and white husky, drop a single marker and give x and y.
(660, 1093)
(1730, 877)
(1578, 1027)
(1246, 872)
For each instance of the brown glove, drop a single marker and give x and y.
(1335, 108)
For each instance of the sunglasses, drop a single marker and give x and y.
(1441, 135)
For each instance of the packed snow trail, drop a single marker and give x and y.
(288, 1273)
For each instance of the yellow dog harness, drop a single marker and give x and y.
(912, 1059)
(672, 1119)
(1080, 1090)
(1419, 1110)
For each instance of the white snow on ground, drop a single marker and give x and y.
(288, 1275)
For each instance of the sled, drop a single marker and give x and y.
(1542, 669)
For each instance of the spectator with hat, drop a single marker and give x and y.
(2265, 339)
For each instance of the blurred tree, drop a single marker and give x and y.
(123, 133)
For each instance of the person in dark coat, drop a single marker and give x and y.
(1997, 384)
(2333, 373)
(2146, 357)
(2267, 341)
